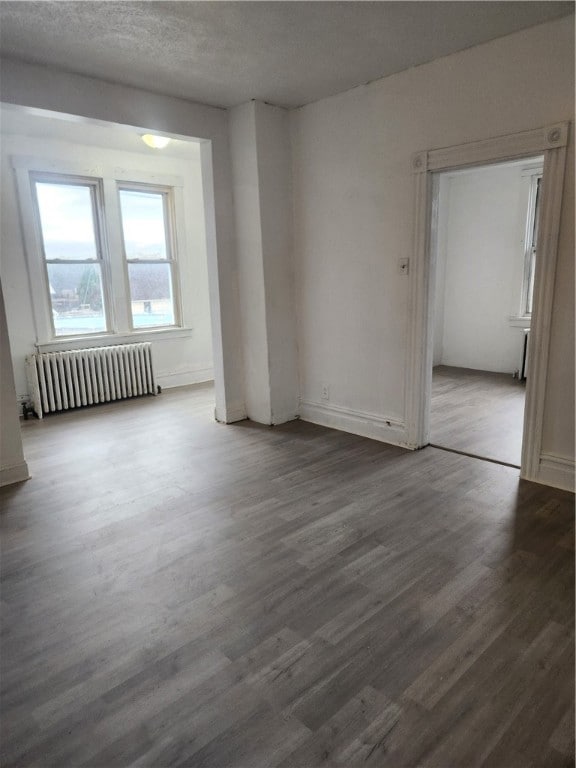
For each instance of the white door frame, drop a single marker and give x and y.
(549, 141)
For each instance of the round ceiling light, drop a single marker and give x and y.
(156, 142)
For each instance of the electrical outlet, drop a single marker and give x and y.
(325, 394)
(403, 266)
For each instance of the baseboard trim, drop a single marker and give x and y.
(386, 429)
(15, 474)
(183, 378)
(557, 471)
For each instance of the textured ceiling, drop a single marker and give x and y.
(225, 53)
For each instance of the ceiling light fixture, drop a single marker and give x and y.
(156, 142)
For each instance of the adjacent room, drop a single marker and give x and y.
(74, 194)
(287, 384)
(485, 248)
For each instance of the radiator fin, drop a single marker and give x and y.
(62, 380)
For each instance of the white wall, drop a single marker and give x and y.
(13, 468)
(275, 184)
(244, 154)
(177, 361)
(353, 192)
(261, 165)
(480, 267)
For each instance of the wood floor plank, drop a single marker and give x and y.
(176, 592)
(478, 412)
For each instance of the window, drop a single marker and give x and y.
(531, 242)
(73, 257)
(99, 240)
(148, 252)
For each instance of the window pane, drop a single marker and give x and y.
(77, 298)
(67, 221)
(151, 294)
(143, 224)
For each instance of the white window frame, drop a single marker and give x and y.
(95, 186)
(530, 245)
(171, 249)
(115, 283)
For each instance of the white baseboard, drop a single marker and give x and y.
(15, 474)
(557, 471)
(385, 429)
(183, 378)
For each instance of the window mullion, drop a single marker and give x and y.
(102, 252)
(116, 262)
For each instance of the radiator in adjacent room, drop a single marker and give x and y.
(525, 346)
(62, 380)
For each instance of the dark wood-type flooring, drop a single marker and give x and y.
(478, 412)
(182, 593)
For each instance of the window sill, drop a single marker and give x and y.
(519, 322)
(109, 339)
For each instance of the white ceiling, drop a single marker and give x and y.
(225, 53)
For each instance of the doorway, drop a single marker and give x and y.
(549, 142)
(483, 261)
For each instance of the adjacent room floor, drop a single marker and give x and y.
(177, 592)
(478, 412)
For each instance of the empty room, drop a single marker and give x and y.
(287, 384)
(485, 245)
